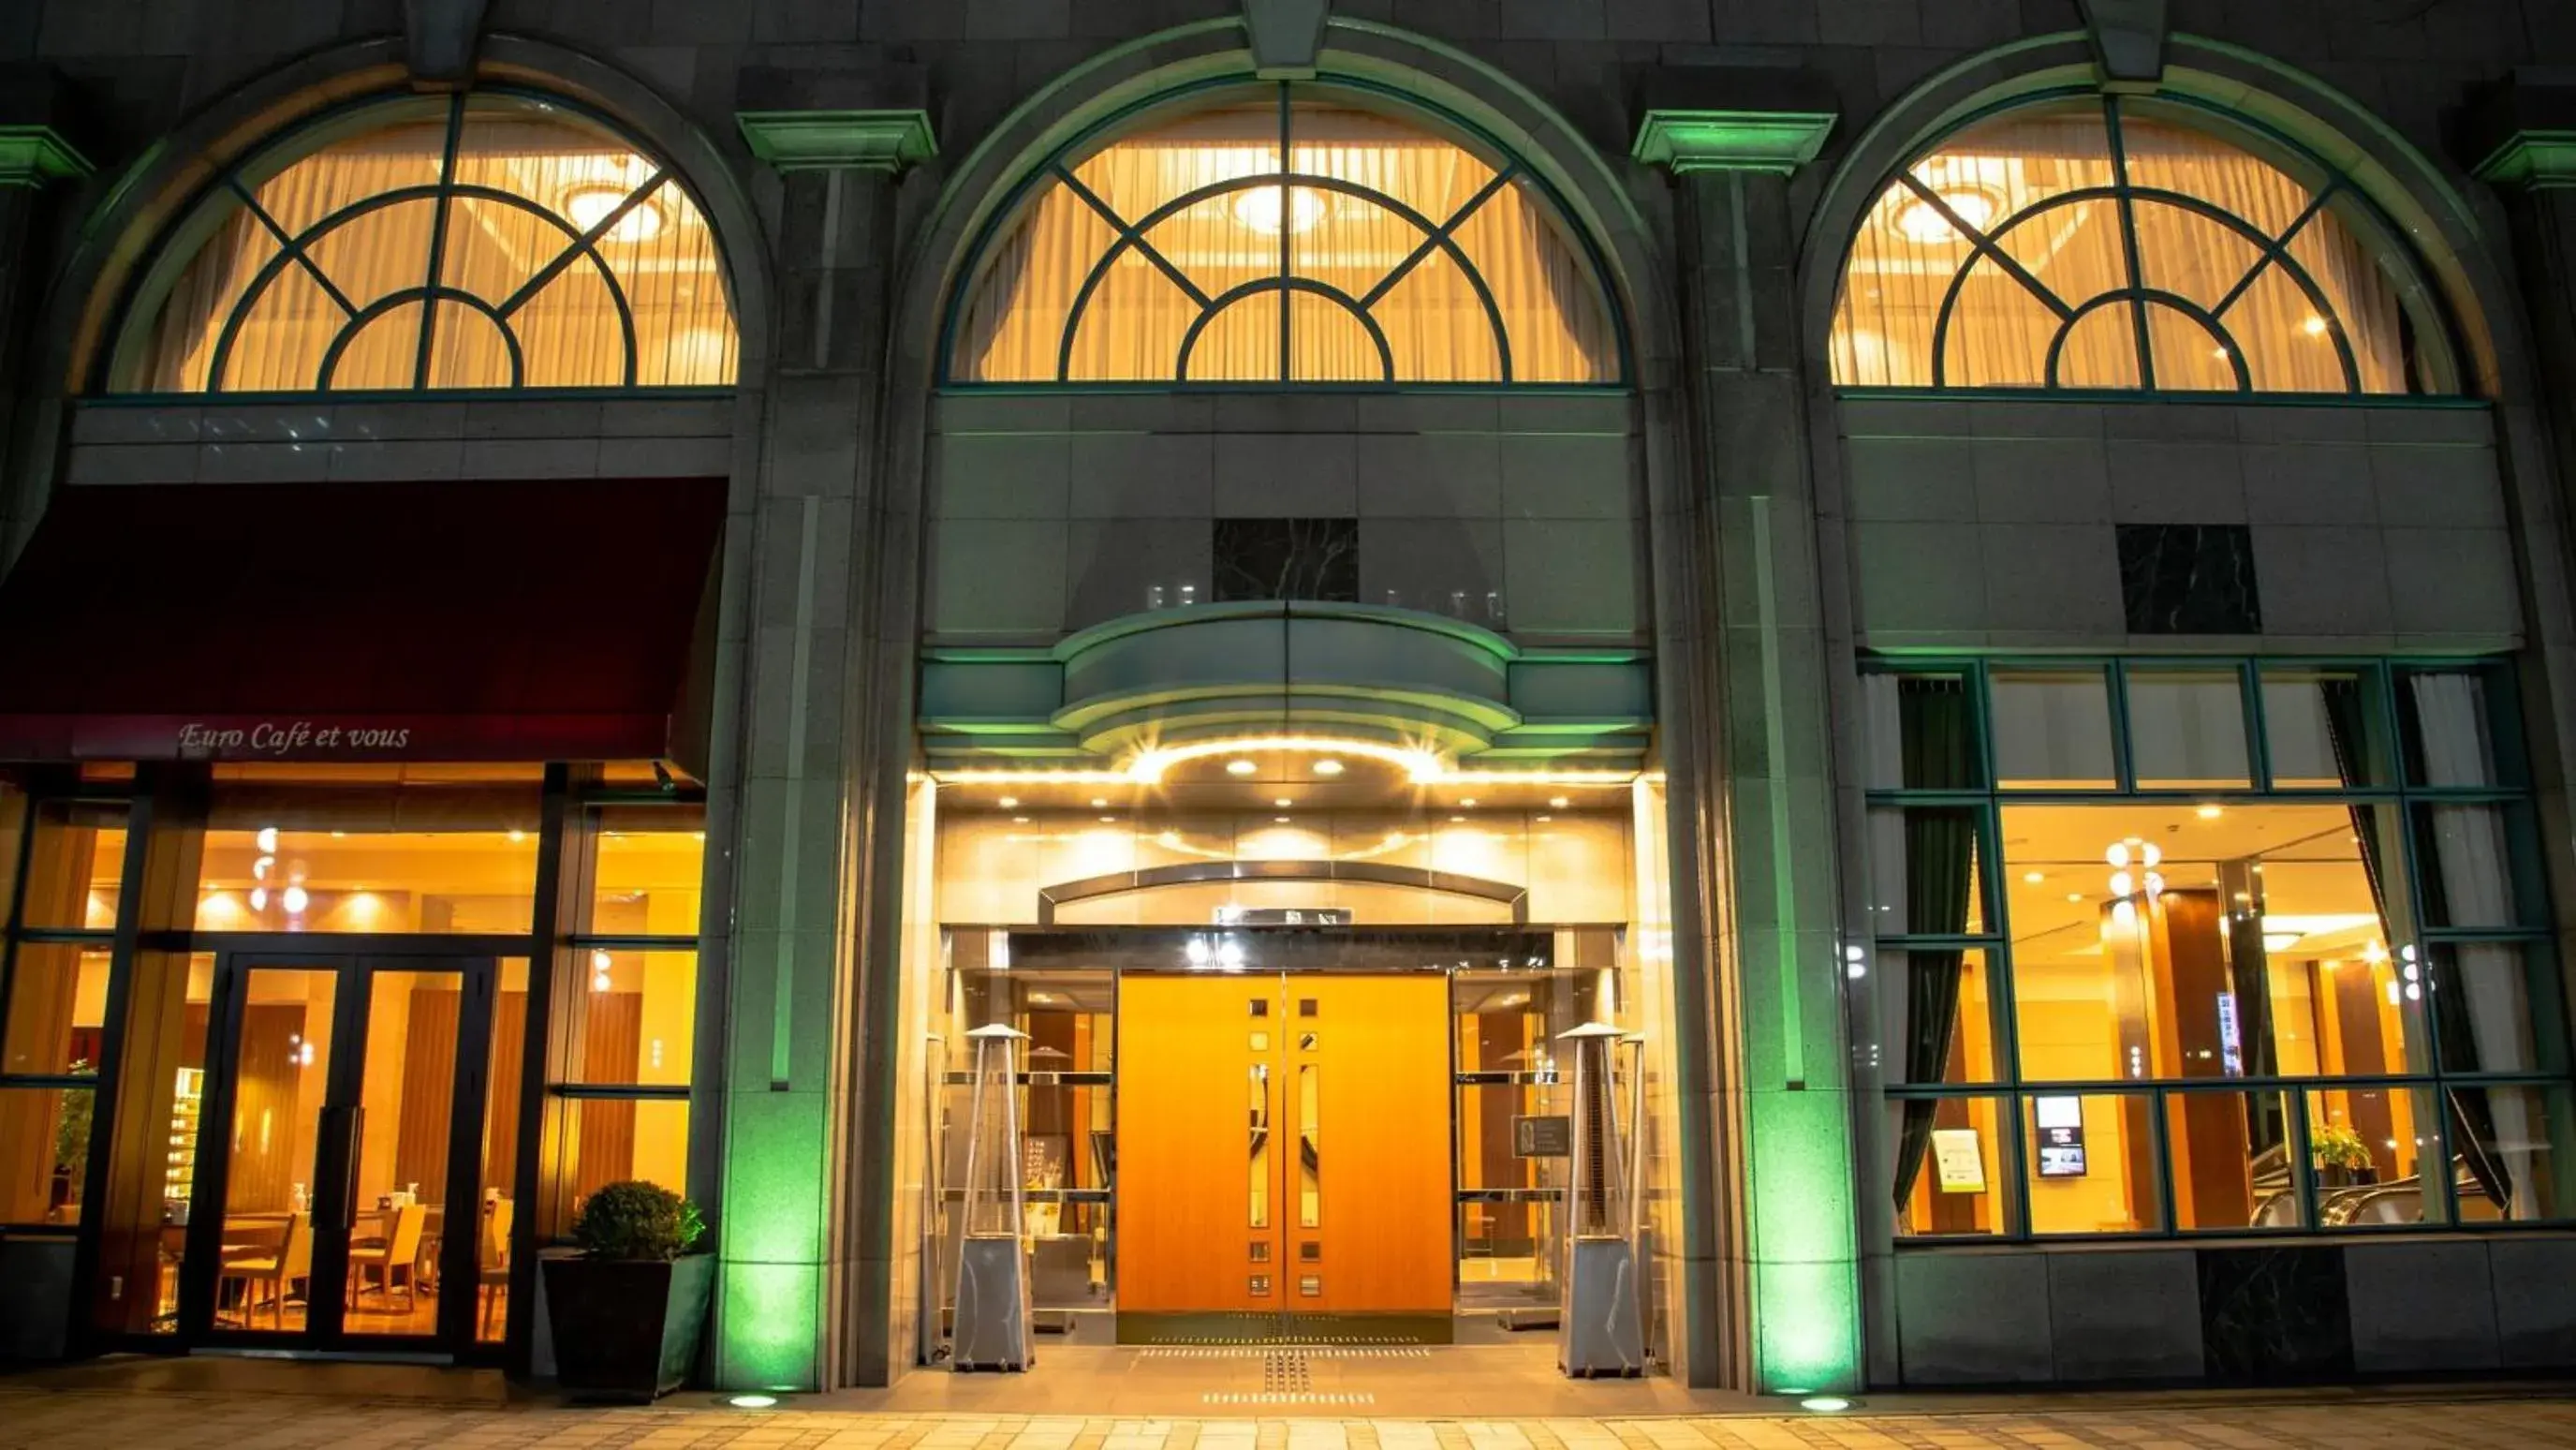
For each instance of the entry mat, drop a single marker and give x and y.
(1220, 1328)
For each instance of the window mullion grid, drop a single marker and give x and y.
(438, 241)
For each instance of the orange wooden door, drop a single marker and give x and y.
(1283, 1145)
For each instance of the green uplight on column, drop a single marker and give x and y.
(1806, 1286)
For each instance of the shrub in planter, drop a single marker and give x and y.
(628, 1313)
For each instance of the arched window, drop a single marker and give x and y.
(2091, 242)
(483, 240)
(1379, 253)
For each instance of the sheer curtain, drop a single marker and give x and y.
(2481, 981)
(1436, 326)
(570, 330)
(1909, 250)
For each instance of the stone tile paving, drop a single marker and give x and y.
(113, 1420)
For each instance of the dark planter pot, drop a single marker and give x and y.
(627, 1329)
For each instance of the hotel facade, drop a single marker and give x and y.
(590, 589)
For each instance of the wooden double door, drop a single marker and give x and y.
(1284, 1145)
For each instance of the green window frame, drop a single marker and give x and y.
(2395, 781)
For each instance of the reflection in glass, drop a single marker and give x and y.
(282, 1064)
(1310, 1163)
(1258, 1080)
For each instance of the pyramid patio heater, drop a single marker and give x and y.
(1600, 1331)
(993, 1325)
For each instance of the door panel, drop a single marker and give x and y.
(282, 1055)
(407, 1111)
(1283, 1145)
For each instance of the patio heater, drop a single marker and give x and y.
(993, 1328)
(1601, 1330)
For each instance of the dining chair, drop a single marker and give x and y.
(492, 1261)
(292, 1262)
(399, 1253)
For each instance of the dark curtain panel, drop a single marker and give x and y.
(2472, 1123)
(1940, 856)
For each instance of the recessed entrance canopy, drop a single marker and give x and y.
(1155, 698)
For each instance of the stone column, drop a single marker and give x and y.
(798, 1106)
(33, 156)
(1781, 1103)
(2522, 141)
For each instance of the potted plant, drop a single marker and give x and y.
(2341, 1158)
(628, 1312)
(71, 1152)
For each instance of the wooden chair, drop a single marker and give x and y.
(291, 1264)
(492, 1262)
(400, 1253)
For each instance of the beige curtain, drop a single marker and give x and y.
(661, 252)
(1909, 250)
(1132, 326)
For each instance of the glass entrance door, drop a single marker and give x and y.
(339, 1201)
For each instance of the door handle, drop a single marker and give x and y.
(345, 1141)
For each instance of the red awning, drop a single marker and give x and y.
(357, 621)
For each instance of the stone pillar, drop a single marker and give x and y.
(799, 1111)
(1782, 1104)
(33, 156)
(2521, 140)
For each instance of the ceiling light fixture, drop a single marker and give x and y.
(1240, 767)
(1281, 802)
(587, 206)
(1925, 223)
(1328, 766)
(1009, 801)
(1259, 209)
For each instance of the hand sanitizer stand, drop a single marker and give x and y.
(1600, 1332)
(992, 1270)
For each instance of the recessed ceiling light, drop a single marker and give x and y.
(1457, 820)
(1469, 802)
(1328, 766)
(1099, 801)
(1281, 802)
(1019, 820)
(2035, 877)
(2075, 896)
(1558, 801)
(2211, 813)
(1108, 820)
(1240, 767)
(1282, 820)
(1009, 801)
(1543, 820)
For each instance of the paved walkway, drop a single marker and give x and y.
(128, 1419)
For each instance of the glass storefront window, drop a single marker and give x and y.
(2322, 729)
(636, 1016)
(2229, 1157)
(75, 866)
(2187, 730)
(57, 1010)
(2091, 1163)
(2229, 942)
(609, 1140)
(44, 1154)
(1927, 876)
(409, 857)
(1936, 1015)
(649, 865)
(2051, 729)
(1953, 1175)
(2327, 951)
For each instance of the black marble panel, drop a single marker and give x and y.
(2189, 579)
(2275, 1314)
(1287, 559)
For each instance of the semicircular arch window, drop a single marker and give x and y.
(2093, 242)
(486, 240)
(1284, 241)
